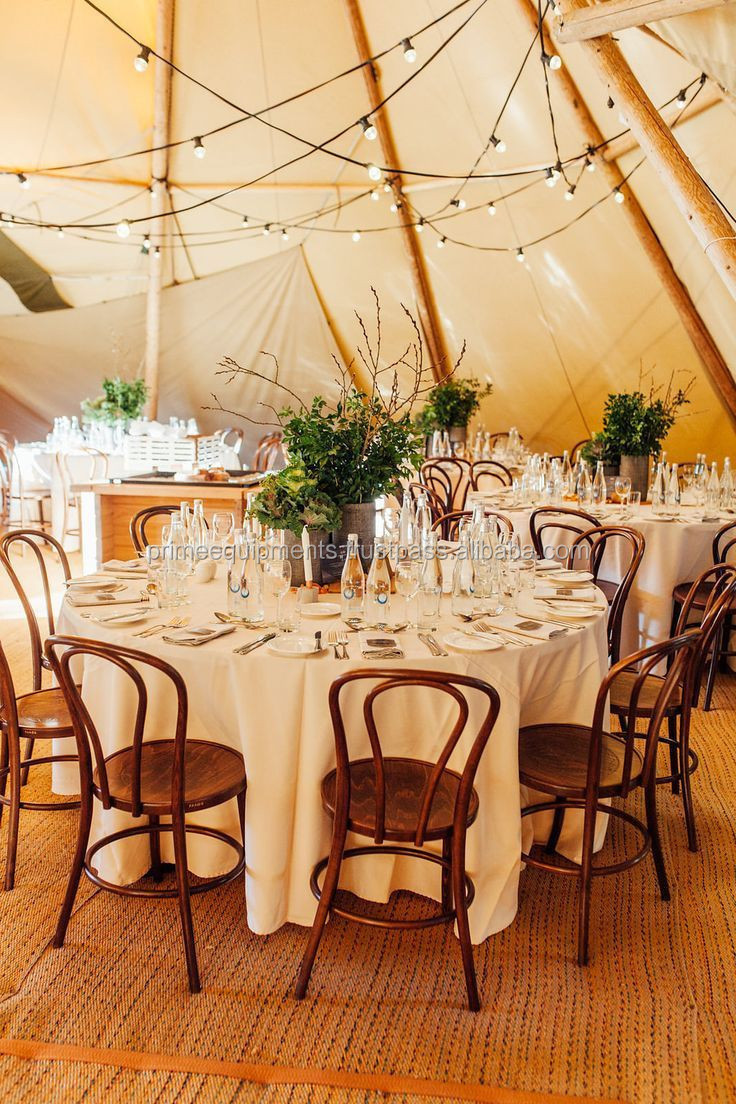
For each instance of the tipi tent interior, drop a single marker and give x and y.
(541, 192)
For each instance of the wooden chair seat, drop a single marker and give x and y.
(213, 774)
(554, 759)
(699, 601)
(406, 780)
(608, 587)
(42, 713)
(650, 690)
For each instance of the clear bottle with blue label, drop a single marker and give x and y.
(378, 588)
(244, 581)
(352, 583)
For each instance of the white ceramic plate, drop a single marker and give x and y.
(291, 645)
(542, 566)
(568, 611)
(320, 609)
(94, 584)
(573, 578)
(463, 642)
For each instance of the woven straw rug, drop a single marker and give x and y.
(652, 1019)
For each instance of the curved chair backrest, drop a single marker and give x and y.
(38, 542)
(435, 503)
(449, 524)
(61, 652)
(724, 544)
(446, 683)
(596, 541)
(489, 473)
(140, 521)
(677, 652)
(6, 480)
(720, 583)
(575, 447)
(449, 477)
(501, 436)
(267, 451)
(8, 705)
(557, 519)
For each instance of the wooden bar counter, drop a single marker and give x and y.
(107, 508)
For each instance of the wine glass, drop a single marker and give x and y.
(223, 525)
(390, 517)
(277, 577)
(622, 487)
(407, 574)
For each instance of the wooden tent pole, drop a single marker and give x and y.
(159, 173)
(694, 325)
(426, 305)
(592, 20)
(710, 226)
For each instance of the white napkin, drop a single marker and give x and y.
(125, 565)
(567, 593)
(198, 634)
(376, 642)
(522, 625)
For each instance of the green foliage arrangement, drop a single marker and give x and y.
(121, 400)
(452, 403)
(347, 451)
(636, 423)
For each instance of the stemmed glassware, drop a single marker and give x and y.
(223, 525)
(277, 577)
(407, 575)
(622, 486)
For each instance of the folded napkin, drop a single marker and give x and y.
(377, 644)
(95, 598)
(199, 634)
(566, 593)
(125, 565)
(521, 625)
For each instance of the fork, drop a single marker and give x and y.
(511, 637)
(174, 623)
(342, 640)
(333, 642)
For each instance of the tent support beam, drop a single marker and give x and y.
(695, 327)
(426, 305)
(159, 170)
(590, 21)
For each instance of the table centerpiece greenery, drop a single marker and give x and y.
(121, 401)
(451, 405)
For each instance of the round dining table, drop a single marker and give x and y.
(274, 709)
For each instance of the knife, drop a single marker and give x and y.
(245, 648)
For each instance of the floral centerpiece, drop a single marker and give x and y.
(344, 452)
(121, 401)
(451, 405)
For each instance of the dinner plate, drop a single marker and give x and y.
(542, 566)
(570, 611)
(568, 577)
(131, 618)
(478, 642)
(291, 645)
(94, 584)
(320, 609)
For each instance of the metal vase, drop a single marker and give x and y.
(637, 469)
(357, 517)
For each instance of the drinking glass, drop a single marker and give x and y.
(428, 608)
(634, 501)
(623, 488)
(407, 574)
(510, 584)
(223, 524)
(390, 517)
(277, 578)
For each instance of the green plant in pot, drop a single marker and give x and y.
(598, 450)
(350, 449)
(451, 405)
(289, 500)
(121, 401)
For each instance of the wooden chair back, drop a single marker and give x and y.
(595, 542)
(237, 435)
(578, 445)
(61, 652)
(448, 524)
(557, 518)
(446, 683)
(38, 542)
(8, 704)
(140, 522)
(435, 503)
(489, 473)
(720, 583)
(449, 478)
(724, 544)
(267, 452)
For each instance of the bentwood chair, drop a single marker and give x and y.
(546, 523)
(96, 464)
(268, 450)
(15, 489)
(578, 445)
(721, 584)
(233, 439)
(489, 475)
(149, 779)
(503, 435)
(449, 524)
(138, 526)
(435, 503)
(579, 766)
(449, 478)
(724, 550)
(590, 547)
(403, 801)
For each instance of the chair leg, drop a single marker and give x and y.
(447, 874)
(718, 645)
(155, 845)
(85, 823)
(185, 906)
(3, 766)
(674, 747)
(329, 888)
(687, 795)
(675, 617)
(586, 880)
(650, 797)
(554, 835)
(241, 815)
(14, 773)
(30, 744)
(461, 912)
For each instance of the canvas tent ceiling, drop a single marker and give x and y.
(577, 319)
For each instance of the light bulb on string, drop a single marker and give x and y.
(23, 180)
(152, 188)
(356, 235)
(589, 164)
(681, 98)
(157, 252)
(145, 248)
(59, 232)
(420, 226)
(498, 144)
(618, 195)
(245, 221)
(199, 150)
(460, 204)
(570, 193)
(386, 186)
(520, 255)
(267, 229)
(549, 178)
(491, 208)
(552, 61)
(146, 243)
(375, 195)
(373, 172)
(140, 62)
(369, 129)
(123, 229)
(441, 243)
(410, 53)
(284, 234)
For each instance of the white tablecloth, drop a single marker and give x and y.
(274, 710)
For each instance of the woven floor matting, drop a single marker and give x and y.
(652, 1019)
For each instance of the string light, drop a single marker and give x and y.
(356, 235)
(267, 229)
(284, 235)
(23, 180)
(152, 188)
(441, 243)
(369, 129)
(373, 172)
(410, 53)
(549, 178)
(145, 248)
(681, 98)
(460, 204)
(157, 252)
(498, 144)
(245, 221)
(140, 62)
(396, 206)
(375, 195)
(420, 226)
(199, 150)
(146, 243)
(520, 255)
(123, 229)
(386, 186)
(552, 61)
(618, 195)
(5, 218)
(491, 208)
(589, 164)
(59, 232)
(610, 104)
(570, 193)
